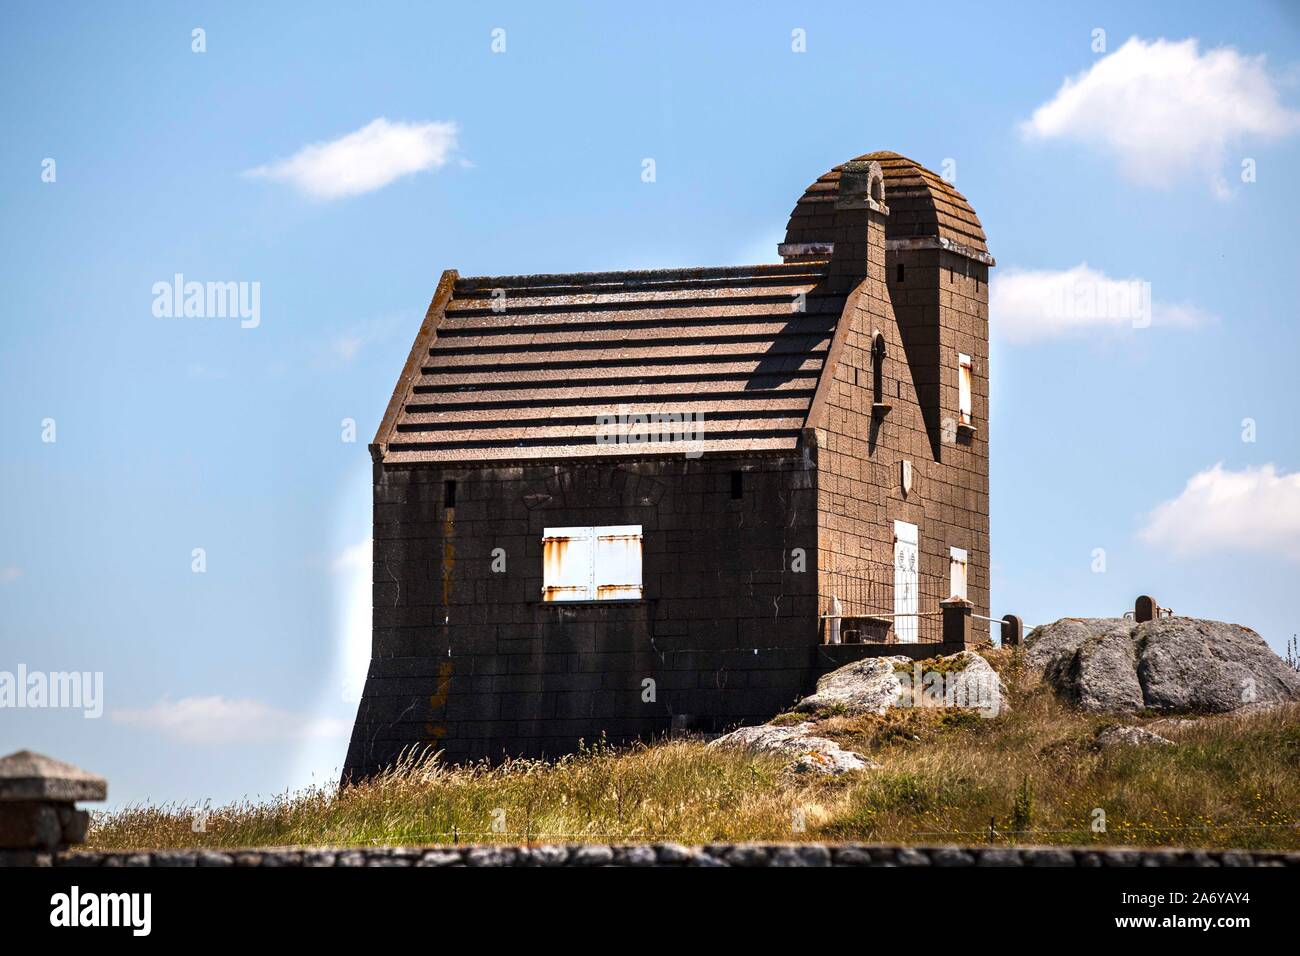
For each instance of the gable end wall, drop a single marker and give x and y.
(943, 310)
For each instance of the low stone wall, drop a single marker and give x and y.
(673, 854)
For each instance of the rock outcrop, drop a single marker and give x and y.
(874, 685)
(809, 752)
(869, 686)
(1174, 664)
(964, 679)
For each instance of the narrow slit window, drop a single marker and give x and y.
(737, 485)
(964, 388)
(957, 572)
(449, 494)
(878, 369)
(592, 564)
(898, 275)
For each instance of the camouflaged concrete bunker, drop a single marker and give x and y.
(626, 504)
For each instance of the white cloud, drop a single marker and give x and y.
(1033, 304)
(221, 720)
(1255, 509)
(366, 160)
(343, 347)
(1163, 109)
(10, 574)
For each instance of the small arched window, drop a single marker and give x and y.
(878, 404)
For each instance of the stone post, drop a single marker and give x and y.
(38, 816)
(957, 622)
(1013, 630)
(858, 226)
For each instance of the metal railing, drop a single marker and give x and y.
(872, 605)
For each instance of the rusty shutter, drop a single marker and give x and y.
(592, 564)
(618, 563)
(566, 564)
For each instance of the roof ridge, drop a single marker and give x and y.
(540, 280)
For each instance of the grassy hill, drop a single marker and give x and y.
(1033, 772)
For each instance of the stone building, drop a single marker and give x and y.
(630, 503)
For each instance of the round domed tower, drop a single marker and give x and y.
(925, 211)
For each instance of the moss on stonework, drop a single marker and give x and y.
(788, 719)
(934, 665)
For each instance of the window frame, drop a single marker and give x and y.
(577, 573)
(965, 389)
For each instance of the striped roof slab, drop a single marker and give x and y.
(521, 368)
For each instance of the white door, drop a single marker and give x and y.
(906, 580)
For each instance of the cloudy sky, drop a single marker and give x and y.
(182, 510)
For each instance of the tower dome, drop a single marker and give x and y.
(924, 209)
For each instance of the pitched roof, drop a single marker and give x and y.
(922, 205)
(520, 367)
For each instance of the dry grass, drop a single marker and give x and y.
(1230, 782)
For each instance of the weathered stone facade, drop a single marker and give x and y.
(914, 311)
(473, 661)
(820, 379)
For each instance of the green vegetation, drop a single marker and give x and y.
(1022, 808)
(1033, 770)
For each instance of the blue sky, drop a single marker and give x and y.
(174, 434)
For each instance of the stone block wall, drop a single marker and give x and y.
(941, 311)
(676, 854)
(470, 660)
(935, 310)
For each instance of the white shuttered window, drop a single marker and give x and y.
(592, 564)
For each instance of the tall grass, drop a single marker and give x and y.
(1030, 775)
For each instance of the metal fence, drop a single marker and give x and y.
(871, 604)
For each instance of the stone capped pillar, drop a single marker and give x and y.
(1013, 630)
(957, 623)
(858, 230)
(38, 813)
